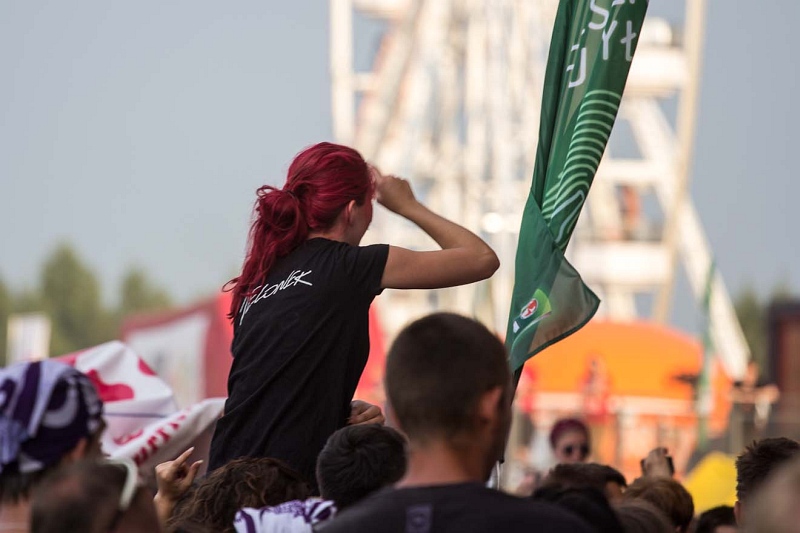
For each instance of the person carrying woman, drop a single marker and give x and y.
(300, 305)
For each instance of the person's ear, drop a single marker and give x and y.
(737, 512)
(349, 211)
(489, 407)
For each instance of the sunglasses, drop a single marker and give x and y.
(569, 449)
(128, 488)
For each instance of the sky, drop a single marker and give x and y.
(139, 131)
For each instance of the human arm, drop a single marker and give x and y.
(464, 257)
(173, 478)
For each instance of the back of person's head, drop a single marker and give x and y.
(758, 460)
(247, 482)
(320, 183)
(49, 412)
(93, 496)
(774, 506)
(358, 460)
(581, 475)
(588, 503)
(639, 516)
(666, 494)
(439, 370)
(718, 517)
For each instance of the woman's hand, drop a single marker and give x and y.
(362, 412)
(393, 193)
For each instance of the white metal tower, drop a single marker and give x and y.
(451, 100)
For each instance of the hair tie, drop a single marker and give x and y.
(291, 193)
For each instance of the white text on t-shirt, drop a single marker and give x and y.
(260, 293)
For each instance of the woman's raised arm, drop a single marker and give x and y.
(464, 257)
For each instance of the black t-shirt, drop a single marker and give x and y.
(299, 347)
(461, 508)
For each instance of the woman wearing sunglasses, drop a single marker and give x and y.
(569, 440)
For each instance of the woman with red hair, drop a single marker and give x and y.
(570, 441)
(300, 306)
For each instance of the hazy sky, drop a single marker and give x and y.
(138, 131)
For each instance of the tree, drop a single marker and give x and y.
(27, 301)
(752, 315)
(781, 292)
(139, 294)
(71, 295)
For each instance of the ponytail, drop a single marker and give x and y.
(321, 181)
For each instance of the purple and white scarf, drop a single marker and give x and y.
(46, 407)
(296, 516)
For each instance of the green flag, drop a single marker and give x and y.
(590, 56)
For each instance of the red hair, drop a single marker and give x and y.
(321, 181)
(567, 425)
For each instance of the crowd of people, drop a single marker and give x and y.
(294, 452)
(426, 470)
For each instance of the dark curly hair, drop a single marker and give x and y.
(247, 482)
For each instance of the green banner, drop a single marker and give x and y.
(590, 55)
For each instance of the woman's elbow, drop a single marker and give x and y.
(489, 264)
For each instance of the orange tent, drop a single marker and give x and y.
(639, 371)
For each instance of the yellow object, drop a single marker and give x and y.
(712, 482)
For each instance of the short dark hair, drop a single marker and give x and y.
(579, 475)
(77, 497)
(709, 521)
(246, 482)
(436, 372)
(358, 460)
(666, 494)
(758, 460)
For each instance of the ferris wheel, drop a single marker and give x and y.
(450, 99)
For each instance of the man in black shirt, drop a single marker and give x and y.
(448, 388)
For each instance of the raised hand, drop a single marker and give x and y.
(173, 478)
(393, 193)
(657, 463)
